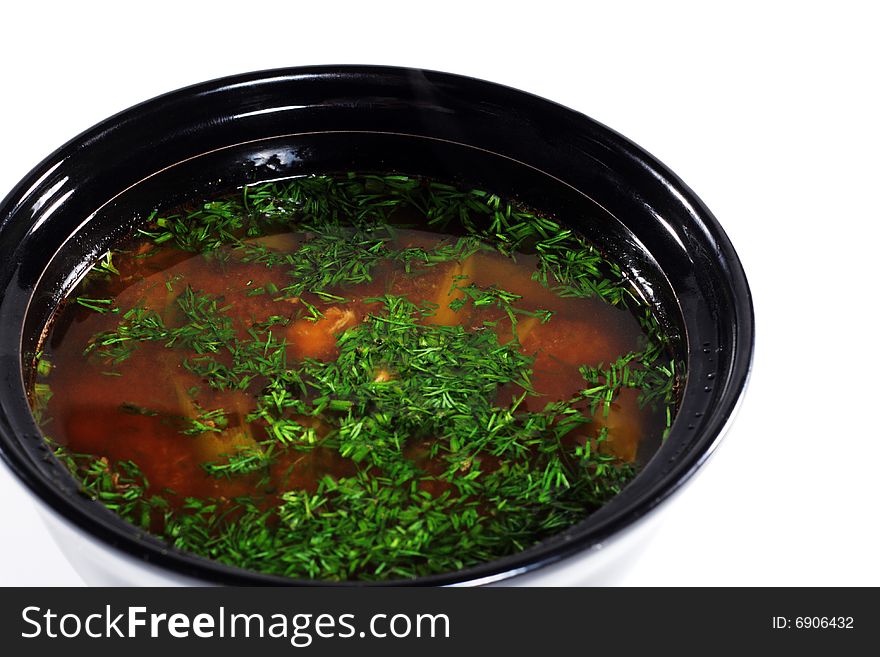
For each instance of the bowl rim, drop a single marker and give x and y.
(185, 564)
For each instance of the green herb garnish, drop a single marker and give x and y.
(450, 456)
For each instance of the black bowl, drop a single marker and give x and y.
(279, 123)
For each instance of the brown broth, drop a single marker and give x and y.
(135, 410)
(87, 406)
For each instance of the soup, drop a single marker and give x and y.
(354, 377)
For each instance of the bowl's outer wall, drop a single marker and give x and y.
(46, 215)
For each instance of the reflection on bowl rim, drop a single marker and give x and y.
(21, 443)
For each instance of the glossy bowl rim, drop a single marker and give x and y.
(210, 571)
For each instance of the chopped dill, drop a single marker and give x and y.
(98, 305)
(451, 455)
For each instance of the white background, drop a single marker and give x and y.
(768, 111)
